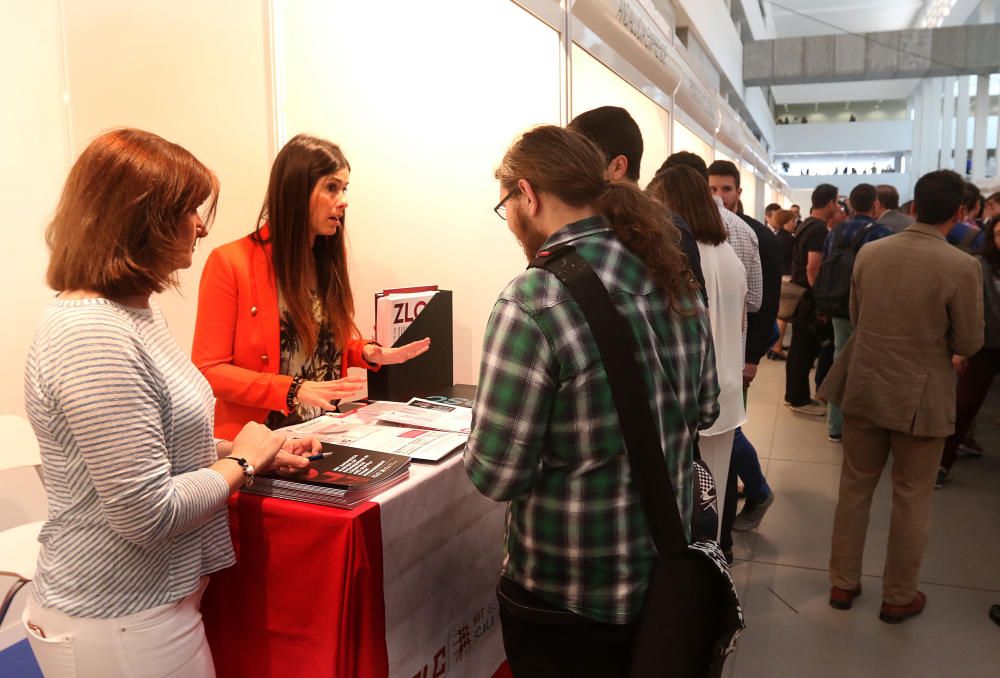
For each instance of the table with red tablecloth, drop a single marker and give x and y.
(400, 586)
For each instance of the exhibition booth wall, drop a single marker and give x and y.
(424, 99)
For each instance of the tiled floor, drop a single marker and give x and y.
(781, 569)
(781, 573)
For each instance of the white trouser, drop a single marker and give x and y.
(164, 641)
(717, 452)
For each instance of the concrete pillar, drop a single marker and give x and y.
(932, 130)
(930, 119)
(916, 149)
(987, 15)
(982, 120)
(962, 120)
(996, 155)
(948, 124)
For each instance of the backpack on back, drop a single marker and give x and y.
(832, 289)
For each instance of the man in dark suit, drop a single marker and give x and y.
(887, 209)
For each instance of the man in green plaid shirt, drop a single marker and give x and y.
(545, 434)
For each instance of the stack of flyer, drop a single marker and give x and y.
(369, 450)
(423, 430)
(343, 477)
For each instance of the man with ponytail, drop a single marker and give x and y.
(545, 434)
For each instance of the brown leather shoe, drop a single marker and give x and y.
(842, 599)
(897, 614)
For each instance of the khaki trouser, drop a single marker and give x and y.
(914, 467)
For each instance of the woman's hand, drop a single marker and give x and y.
(302, 447)
(258, 445)
(289, 463)
(378, 355)
(321, 393)
(298, 449)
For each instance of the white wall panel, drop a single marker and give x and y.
(686, 140)
(193, 72)
(424, 112)
(712, 22)
(35, 143)
(595, 85)
(750, 194)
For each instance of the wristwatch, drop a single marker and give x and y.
(247, 467)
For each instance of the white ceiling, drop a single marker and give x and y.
(856, 16)
(853, 16)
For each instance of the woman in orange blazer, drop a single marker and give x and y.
(275, 331)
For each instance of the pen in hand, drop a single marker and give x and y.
(317, 457)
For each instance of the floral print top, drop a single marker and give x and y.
(323, 364)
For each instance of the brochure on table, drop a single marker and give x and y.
(342, 476)
(362, 429)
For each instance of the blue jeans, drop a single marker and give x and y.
(747, 467)
(842, 331)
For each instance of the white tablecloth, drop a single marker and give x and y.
(442, 548)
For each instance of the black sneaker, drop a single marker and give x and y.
(939, 482)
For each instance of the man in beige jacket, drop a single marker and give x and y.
(915, 302)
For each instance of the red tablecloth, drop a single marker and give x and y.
(306, 597)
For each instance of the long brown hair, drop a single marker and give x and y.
(569, 166)
(116, 229)
(298, 168)
(686, 192)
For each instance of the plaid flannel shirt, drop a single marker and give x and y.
(545, 434)
(744, 242)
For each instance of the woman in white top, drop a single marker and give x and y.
(686, 192)
(136, 484)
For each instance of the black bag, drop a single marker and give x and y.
(832, 289)
(691, 617)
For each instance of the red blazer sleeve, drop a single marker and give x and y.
(231, 351)
(352, 357)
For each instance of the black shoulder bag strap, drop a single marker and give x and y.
(618, 353)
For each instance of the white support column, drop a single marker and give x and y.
(933, 133)
(948, 124)
(931, 115)
(982, 120)
(962, 121)
(996, 155)
(914, 167)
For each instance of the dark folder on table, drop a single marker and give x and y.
(429, 372)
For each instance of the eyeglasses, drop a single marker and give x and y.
(501, 208)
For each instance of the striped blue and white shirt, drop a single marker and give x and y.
(124, 421)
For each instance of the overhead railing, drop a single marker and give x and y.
(915, 53)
